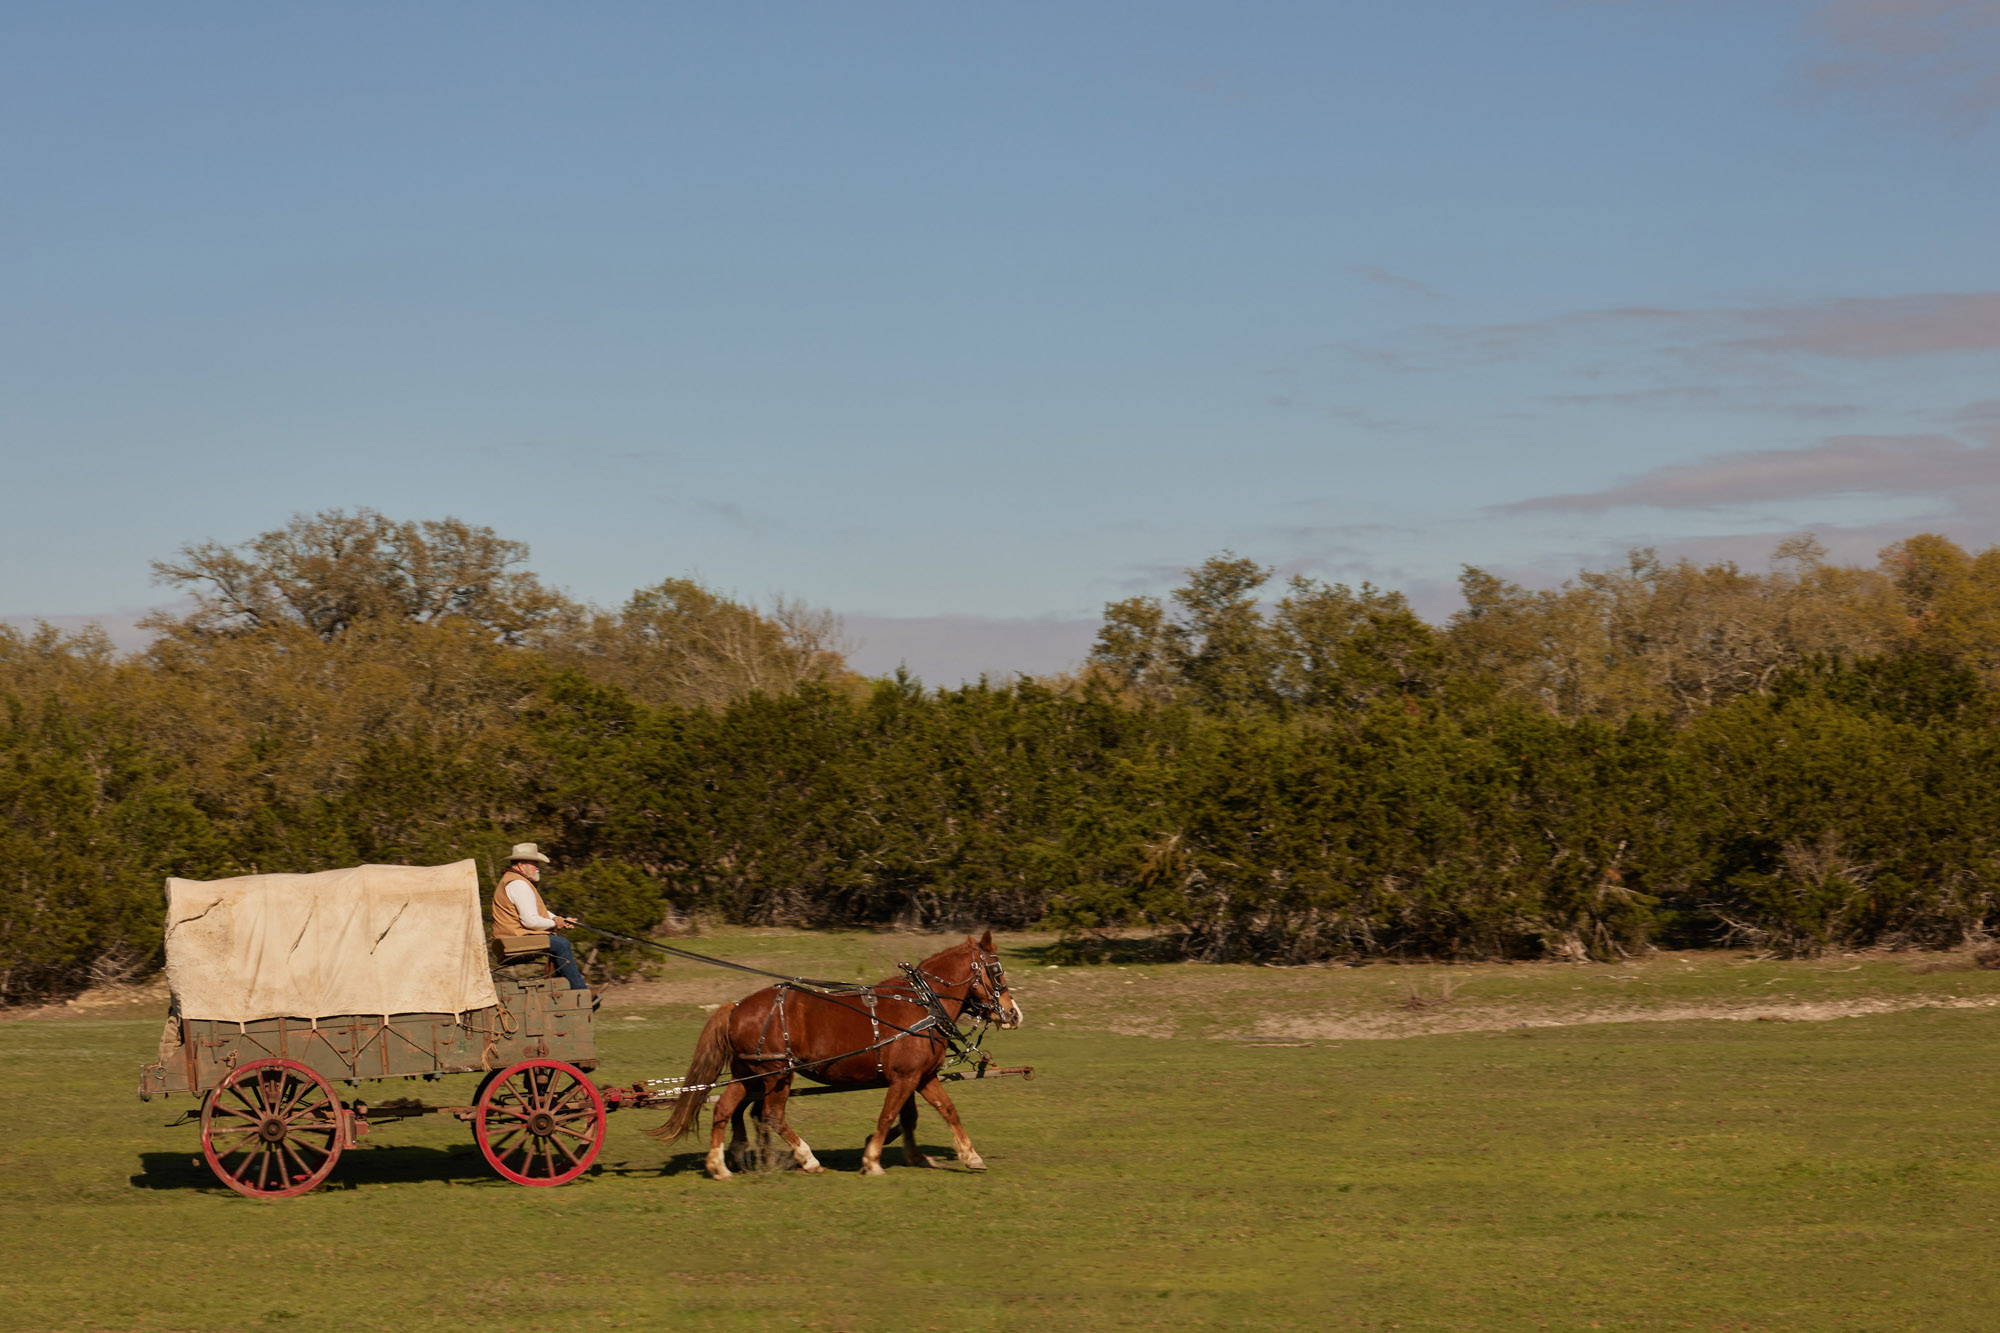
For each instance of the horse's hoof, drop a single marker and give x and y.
(975, 1165)
(814, 1170)
(873, 1170)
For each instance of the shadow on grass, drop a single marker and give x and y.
(364, 1166)
(833, 1159)
(1091, 949)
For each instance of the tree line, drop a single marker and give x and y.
(1665, 754)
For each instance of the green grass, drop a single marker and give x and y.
(1637, 1175)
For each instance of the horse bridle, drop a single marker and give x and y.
(986, 971)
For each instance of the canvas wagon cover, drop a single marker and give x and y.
(370, 940)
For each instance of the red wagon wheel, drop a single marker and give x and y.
(540, 1122)
(271, 1129)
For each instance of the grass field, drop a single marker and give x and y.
(1371, 1148)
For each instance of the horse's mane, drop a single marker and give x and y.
(968, 945)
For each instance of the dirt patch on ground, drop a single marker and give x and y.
(1501, 1018)
(139, 999)
(1334, 1003)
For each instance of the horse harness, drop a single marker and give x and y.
(936, 1024)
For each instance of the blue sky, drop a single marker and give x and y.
(963, 320)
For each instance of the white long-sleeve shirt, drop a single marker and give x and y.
(523, 898)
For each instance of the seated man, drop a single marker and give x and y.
(518, 910)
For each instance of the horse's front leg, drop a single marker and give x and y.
(934, 1093)
(774, 1115)
(900, 1087)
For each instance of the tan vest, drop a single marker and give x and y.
(507, 921)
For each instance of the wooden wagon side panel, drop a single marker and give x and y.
(534, 1019)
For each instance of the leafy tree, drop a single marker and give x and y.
(328, 572)
(677, 642)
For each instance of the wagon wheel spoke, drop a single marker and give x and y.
(323, 1142)
(575, 1089)
(240, 1113)
(310, 1157)
(294, 1164)
(233, 1129)
(576, 1133)
(510, 1112)
(294, 1091)
(558, 1146)
(236, 1090)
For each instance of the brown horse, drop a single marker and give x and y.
(870, 1037)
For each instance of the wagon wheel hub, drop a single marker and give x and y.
(272, 1130)
(541, 1124)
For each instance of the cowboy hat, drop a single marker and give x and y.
(527, 851)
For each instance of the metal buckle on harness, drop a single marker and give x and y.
(875, 1032)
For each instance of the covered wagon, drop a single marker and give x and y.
(291, 991)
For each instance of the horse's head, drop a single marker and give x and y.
(989, 984)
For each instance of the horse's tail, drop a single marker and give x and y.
(711, 1054)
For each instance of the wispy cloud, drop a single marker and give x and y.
(1941, 57)
(1923, 324)
(1704, 397)
(1382, 277)
(735, 515)
(1918, 324)
(1790, 360)
(1883, 465)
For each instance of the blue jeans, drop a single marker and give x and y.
(565, 956)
